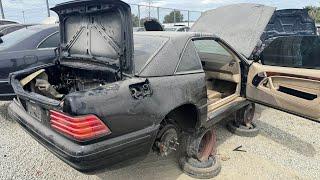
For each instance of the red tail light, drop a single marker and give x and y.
(80, 128)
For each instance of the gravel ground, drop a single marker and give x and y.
(287, 148)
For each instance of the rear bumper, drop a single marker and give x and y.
(90, 157)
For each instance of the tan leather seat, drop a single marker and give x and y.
(213, 94)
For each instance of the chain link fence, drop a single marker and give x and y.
(167, 16)
(140, 13)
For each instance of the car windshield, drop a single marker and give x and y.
(144, 48)
(15, 37)
(294, 51)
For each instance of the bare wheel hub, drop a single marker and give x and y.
(168, 141)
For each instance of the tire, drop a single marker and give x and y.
(201, 146)
(201, 173)
(243, 131)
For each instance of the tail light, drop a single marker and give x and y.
(81, 128)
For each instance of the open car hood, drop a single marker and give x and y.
(241, 25)
(96, 30)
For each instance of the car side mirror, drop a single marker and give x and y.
(256, 58)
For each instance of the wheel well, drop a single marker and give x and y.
(185, 117)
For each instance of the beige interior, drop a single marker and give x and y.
(223, 78)
(270, 90)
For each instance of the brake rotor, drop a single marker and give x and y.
(168, 141)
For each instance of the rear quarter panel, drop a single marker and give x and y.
(123, 114)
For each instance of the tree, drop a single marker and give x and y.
(314, 12)
(174, 15)
(135, 20)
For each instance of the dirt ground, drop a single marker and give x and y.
(287, 147)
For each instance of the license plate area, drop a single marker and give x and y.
(35, 111)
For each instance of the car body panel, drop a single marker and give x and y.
(99, 30)
(90, 157)
(242, 33)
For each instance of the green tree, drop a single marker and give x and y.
(177, 15)
(135, 20)
(314, 12)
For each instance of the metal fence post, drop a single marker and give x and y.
(174, 16)
(158, 13)
(1, 8)
(139, 16)
(48, 8)
(188, 18)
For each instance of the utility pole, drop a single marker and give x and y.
(139, 16)
(149, 13)
(1, 8)
(48, 8)
(24, 18)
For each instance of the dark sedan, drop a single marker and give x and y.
(27, 47)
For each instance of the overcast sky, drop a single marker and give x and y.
(35, 10)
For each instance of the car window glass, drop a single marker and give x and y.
(16, 37)
(190, 60)
(294, 51)
(181, 30)
(211, 46)
(51, 42)
(144, 48)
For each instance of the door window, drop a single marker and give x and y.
(294, 51)
(211, 47)
(190, 60)
(51, 42)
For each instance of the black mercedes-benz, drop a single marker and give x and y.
(112, 95)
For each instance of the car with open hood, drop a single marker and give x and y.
(112, 95)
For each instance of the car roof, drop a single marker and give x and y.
(30, 42)
(167, 57)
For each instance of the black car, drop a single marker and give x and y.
(25, 48)
(113, 95)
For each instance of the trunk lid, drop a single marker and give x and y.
(98, 31)
(241, 25)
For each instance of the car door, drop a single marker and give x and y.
(288, 77)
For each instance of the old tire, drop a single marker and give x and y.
(242, 130)
(201, 173)
(201, 146)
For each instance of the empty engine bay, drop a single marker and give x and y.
(57, 81)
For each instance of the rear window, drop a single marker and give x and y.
(144, 48)
(16, 37)
(294, 51)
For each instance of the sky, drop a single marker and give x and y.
(34, 11)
